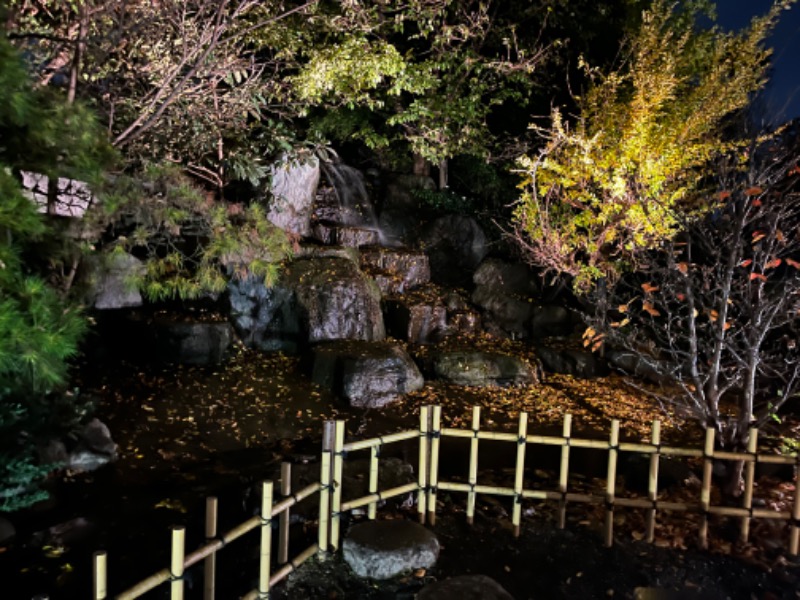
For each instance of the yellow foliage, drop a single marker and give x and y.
(620, 178)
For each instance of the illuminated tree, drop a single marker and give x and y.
(712, 315)
(614, 182)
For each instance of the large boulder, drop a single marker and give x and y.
(506, 292)
(316, 299)
(366, 374)
(504, 315)
(293, 186)
(386, 549)
(483, 369)
(464, 587)
(455, 245)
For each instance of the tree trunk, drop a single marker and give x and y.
(443, 174)
(421, 166)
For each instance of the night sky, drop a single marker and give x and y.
(782, 96)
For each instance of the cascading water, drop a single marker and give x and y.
(355, 207)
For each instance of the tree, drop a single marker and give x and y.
(614, 183)
(712, 314)
(185, 81)
(39, 329)
(428, 74)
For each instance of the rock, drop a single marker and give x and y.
(293, 186)
(315, 300)
(83, 459)
(551, 320)
(54, 452)
(464, 587)
(349, 237)
(312, 251)
(464, 322)
(190, 342)
(386, 549)
(504, 315)
(367, 374)
(109, 279)
(7, 531)
(480, 368)
(455, 245)
(97, 437)
(511, 278)
(411, 269)
(569, 361)
(415, 322)
(653, 370)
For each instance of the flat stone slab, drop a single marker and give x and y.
(386, 549)
(464, 587)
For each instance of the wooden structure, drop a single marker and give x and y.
(273, 568)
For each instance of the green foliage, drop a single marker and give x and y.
(606, 187)
(433, 87)
(445, 201)
(39, 329)
(190, 243)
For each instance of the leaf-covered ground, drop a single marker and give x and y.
(188, 432)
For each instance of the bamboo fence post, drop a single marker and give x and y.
(283, 527)
(100, 576)
(422, 480)
(473, 463)
(611, 482)
(210, 564)
(435, 432)
(749, 477)
(325, 489)
(705, 491)
(374, 455)
(265, 554)
(519, 474)
(176, 563)
(564, 472)
(338, 470)
(794, 536)
(652, 484)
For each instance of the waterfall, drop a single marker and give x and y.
(355, 207)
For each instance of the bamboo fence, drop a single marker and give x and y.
(428, 436)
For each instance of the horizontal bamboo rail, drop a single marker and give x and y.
(428, 485)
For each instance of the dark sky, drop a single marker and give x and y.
(782, 95)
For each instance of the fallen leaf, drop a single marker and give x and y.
(775, 262)
(682, 267)
(746, 263)
(758, 276)
(753, 191)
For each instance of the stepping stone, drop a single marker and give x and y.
(464, 587)
(386, 549)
